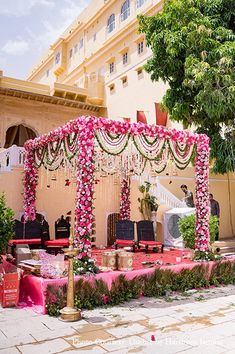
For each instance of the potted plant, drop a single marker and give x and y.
(6, 225)
(148, 202)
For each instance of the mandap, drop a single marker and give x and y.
(90, 144)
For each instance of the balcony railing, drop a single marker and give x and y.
(13, 156)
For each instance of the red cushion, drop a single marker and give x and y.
(124, 242)
(150, 243)
(61, 242)
(24, 241)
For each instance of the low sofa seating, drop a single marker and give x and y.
(29, 233)
(125, 234)
(62, 233)
(146, 236)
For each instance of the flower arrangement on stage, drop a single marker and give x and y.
(155, 144)
(125, 204)
(86, 266)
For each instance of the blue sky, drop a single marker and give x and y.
(29, 27)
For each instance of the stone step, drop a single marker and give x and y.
(227, 250)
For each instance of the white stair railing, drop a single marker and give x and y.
(13, 156)
(163, 195)
(166, 197)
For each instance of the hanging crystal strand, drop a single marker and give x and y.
(47, 177)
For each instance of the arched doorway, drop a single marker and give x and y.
(17, 135)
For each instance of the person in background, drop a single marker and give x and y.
(188, 199)
(215, 211)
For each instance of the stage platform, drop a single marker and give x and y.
(34, 288)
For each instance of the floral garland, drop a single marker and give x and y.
(125, 205)
(30, 184)
(85, 189)
(87, 127)
(202, 199)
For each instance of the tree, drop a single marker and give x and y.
(193, 45)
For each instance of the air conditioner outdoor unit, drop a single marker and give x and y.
(172, 235)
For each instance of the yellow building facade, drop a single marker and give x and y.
(104, 49)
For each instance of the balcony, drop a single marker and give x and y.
(68, 92)
(11, 157)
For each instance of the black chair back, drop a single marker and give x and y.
(28, 230)
(62, 228)
(145, 231)
(125, 230)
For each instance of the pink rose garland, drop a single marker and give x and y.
(125, 207)
(85, 188)
(202, 199)
(30, 183)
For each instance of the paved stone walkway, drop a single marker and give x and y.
(197, 322)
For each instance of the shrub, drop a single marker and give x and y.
(6, 224)
(188, 229)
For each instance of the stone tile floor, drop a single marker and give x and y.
(196, 322)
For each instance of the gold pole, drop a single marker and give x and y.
(70, 313)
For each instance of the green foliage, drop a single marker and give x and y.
(6, 224)
(148, 202)
(188, 229)
(84, 266)
(223, 273)
(93, 293)
(206, 256)
(193, 45)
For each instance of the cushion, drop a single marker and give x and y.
(25, 241)
(150, 243)
(62, 242)
(124, 242)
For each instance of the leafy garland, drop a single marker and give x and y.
(95, 292)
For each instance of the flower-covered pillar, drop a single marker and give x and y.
(125, 200)
(85, 187)
(30, 184)
(202, 197)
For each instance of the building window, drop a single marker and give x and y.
(139, 3)
(139, 71)
(125, 58)
(124, 80)
(111, 23)
(111, 67)
(112, 88)
(48, 72)
(125, 10)
(57, 58)
(94, 37)
(75, 48)
(70, 53)
(140, 47)
(81, 43)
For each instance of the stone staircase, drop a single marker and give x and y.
(226, 246)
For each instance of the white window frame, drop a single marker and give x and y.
(125, 10)
(57, 58)
(81, 43)
(125, 58)
(140, 47)
(111, 67)
(111, 23)
(140, 3)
